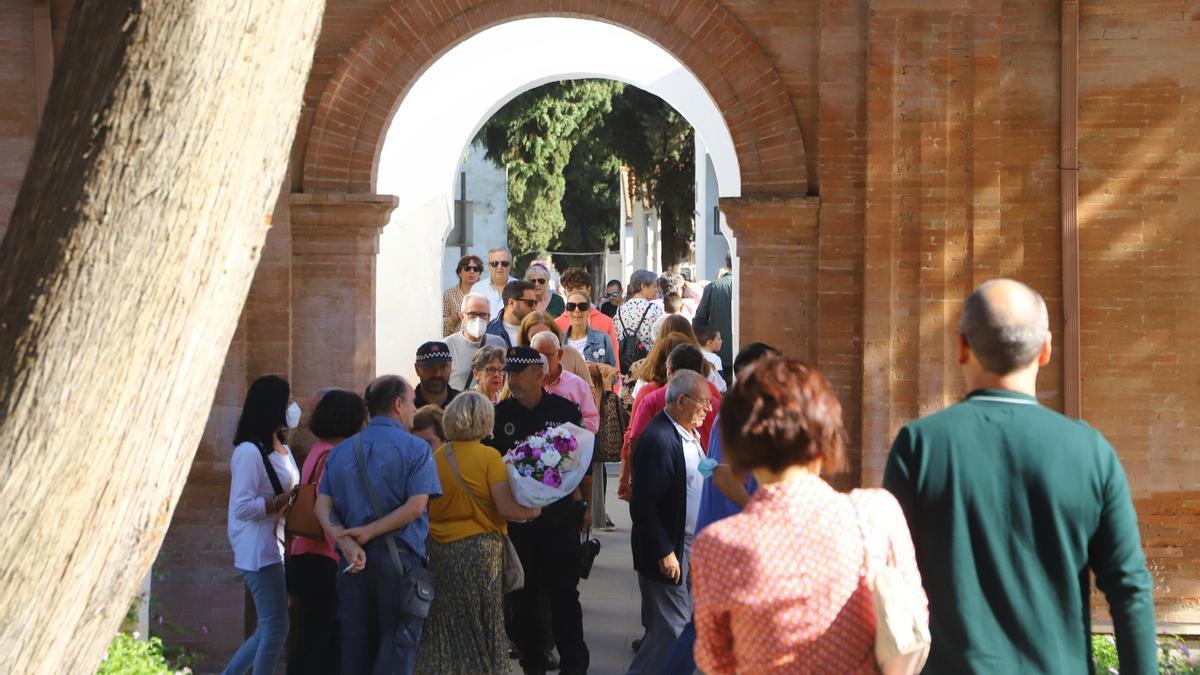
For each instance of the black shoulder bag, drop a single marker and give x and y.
(632, 348)
(416, 583)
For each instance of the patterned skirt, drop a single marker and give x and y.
(464, 632)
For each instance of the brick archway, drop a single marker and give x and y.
(342, 152)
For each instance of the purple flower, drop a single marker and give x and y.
(552, 478)
(537, 454)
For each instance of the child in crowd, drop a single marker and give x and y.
(711, 343)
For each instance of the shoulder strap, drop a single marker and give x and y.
(643, 319)
(457, 474)
(362, 474)
(315, 478)
(271, 475)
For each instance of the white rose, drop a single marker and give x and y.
(537, 442)
(551, 457)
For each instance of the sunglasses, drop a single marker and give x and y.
(613, 294)
(539, 282)
(581, 306)
(501, 263)
(528, 303)
(472, 268)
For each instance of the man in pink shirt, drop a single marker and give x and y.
(576, 279)
(565, 383)
(683, 357)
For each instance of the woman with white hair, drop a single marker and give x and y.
(542, 277)
(464, 632)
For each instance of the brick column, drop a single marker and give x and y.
(777, 272)
(335, 242)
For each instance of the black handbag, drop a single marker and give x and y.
(416, 582)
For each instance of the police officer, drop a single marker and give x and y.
(548, 545)
(433, 368)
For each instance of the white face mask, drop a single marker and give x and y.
(293, 415)
(476, 327)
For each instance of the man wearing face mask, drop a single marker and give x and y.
(474, 316)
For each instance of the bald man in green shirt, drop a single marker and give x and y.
(1011, 504)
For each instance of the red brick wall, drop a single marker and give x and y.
(1139, 185)
(18, 105)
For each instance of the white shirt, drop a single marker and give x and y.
(513, 330)
(462, 350)
(495, 298)
(256, 538)
(714, 375)
(693, 452)
(579, 344)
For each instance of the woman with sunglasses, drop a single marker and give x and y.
(468, 270)
(594, 345)
(539, 275)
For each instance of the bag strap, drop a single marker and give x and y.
(362, 474)
(315, 478)
(270, 468)
(642, 320)
(457, 474)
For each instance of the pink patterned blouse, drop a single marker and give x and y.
(781, 587)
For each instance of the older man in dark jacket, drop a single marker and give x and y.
(664, 506)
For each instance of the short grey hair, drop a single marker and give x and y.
(469, 417)
(683, 383)
(640, 280)
(546, 336)
(1004, 323)
(671, 283)
(462, 306)
(486, 355)
(499, 249)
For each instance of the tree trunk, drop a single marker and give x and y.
(124, 270)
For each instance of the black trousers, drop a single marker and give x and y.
(312, 583)
(549, 552)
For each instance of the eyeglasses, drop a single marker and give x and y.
(477, 315)
(580, 306)
(705, 403)
(472, 268)
(501, 263)
(539, 282)
(493, 370)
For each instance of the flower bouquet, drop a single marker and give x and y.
(549, 465)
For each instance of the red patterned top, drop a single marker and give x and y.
(781, 587)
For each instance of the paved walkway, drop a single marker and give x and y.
(610, 597)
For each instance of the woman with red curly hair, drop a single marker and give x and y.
(782, 586)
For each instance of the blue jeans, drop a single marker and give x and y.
(261, 650)
(376, 638)
(682, 660)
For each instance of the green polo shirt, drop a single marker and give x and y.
(1010, 504)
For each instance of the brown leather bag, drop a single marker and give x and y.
(301, 515)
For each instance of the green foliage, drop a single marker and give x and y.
(564, 144)
(128, 655)
(533, 137)
(1173, 656)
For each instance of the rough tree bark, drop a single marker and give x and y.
(124, 270)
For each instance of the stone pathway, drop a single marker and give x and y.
(610, 597)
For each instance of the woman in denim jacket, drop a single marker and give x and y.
(595, 346)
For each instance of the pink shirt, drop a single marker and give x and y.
(646, 407)
(781, 587)
(304, 544)
(572, 387)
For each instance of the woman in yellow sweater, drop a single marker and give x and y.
(465, 629)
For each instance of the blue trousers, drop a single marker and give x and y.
(376, 638)
(261, 650)
(682, 659)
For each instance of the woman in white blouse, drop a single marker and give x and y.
(263, 477)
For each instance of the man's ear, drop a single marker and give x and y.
(1047, 350)
(964, 350)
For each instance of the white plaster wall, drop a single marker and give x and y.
(441, 114)
(487, 190)
(711, 248)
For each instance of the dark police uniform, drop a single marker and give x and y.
(548, 547)
(420, 402)
(1010, 504)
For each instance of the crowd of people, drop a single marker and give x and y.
(991, 516)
